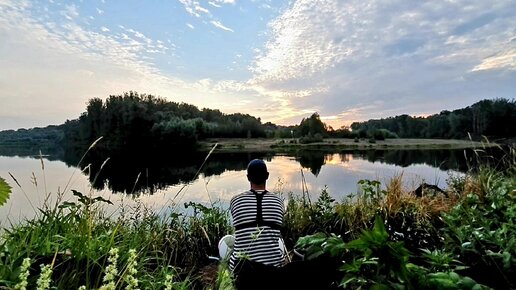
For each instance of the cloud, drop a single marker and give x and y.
(348, 60)
(221, 26)
(504, 60)
(70, 12)
(193, 7)
(214, 4)
(219, 3)
(397, 56)
(50, 71)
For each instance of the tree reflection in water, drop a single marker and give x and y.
(153, 171)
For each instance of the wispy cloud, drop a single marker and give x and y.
(85, 64)
(70, 12)
(348, 60)
(504, 60)
(214, 4)
(221, 26)
(418, 56)
(194, 8)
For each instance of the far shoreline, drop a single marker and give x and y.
(334, 144)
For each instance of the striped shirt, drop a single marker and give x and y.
(257, 243)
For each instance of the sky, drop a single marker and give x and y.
(348, 60)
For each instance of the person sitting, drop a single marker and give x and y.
(256, 250)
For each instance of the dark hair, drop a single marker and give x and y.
(257, 171)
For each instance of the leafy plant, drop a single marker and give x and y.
(377, 260)
(439, 261)
(487, 241)
(371, 189)
(5, 191)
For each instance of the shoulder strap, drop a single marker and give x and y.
(259, 208)
(259, 215)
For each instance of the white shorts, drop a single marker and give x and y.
(227, 243)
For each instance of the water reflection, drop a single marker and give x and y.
(442, 159)
(147, 173)
(155, 180)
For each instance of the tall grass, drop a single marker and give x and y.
(74, 241)
(470, 230)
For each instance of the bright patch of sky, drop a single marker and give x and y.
(281, 61)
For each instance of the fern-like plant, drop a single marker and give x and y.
(5, 191)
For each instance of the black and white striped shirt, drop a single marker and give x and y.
(253, 242)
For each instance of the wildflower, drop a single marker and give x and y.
(132, 281)
(24, 275)
(169, 281)
(82, 288)
(44, 279)
(111, 270)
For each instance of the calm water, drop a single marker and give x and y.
(170, 181)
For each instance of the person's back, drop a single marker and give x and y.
(254, 240)
(257, 216)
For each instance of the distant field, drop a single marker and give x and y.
(278, 145)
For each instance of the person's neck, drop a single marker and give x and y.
(257, 186)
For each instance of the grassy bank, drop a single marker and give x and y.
(384, 237)
(286, 145)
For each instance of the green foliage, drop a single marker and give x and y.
(134, 121)
(5, 191)
(487, 241)
(374, 262)
(484, 118)
(439, 260)
(224, 280)
(47, 140)
(375, 255)
(311, 138)
(312, 126)
(370, 189)
(468, 238)
(77, 237)
(382, 134)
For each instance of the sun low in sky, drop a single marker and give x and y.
(348, 60)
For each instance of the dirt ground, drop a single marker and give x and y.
(287, 144)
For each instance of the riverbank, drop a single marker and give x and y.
(75, 245)
(333, 144)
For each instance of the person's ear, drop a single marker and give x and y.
(267, 176)
(248, 178)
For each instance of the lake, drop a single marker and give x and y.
(171, 180)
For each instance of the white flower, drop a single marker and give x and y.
(132, 281)
(24, 275)
(169, 282)
(111, 271)
(45, 277)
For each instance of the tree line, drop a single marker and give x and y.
(134, 121)
(144, 122)
(494, 119)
